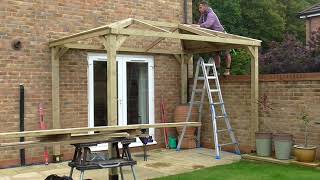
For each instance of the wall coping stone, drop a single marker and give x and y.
(273, 77)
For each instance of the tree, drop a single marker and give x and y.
(289, 56)
(269, 21)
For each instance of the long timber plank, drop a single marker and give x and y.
(126, 128)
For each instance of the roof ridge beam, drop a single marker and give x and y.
(137, 32)
(145, 24)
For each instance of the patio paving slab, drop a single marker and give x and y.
(161, 162)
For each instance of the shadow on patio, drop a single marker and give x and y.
(161, 162)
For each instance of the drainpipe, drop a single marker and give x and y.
(185, 10)
(21, 111)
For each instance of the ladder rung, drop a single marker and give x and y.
(209, 77)
(218, 103)
(227, 144)
(214, 90)
(197, 102)
(208, 65)
(224, 130)
(198, 90)
(220, 117)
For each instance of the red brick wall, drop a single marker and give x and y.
(315, 23)
(37, 22)
(312, 24)
(284, 93)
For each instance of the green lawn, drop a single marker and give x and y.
(245, 170)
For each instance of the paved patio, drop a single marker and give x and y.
(161, 162)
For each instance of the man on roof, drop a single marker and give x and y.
(210, 20)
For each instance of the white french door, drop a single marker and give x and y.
(135, 83)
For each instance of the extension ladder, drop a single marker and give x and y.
(206, 69)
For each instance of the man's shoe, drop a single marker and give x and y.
(227, 72)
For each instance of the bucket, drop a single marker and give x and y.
(264, 144)
(283, 145)
(172, 142)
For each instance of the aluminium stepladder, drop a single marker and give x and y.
(206, 68)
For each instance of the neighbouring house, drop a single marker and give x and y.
(312, 17)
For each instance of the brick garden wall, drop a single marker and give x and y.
(35, 23)
(285, 93)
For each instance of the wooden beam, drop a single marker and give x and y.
(81, 36)
(111, 45)
(55, 94)
(120, 40)
(184, 79)
(194, 30)
(116, 128)
(148, 25)
(161, 24)
(61, 51)
(121, 24)
(138, 32)
(95, 32)
(212, 49)
(111, 48)
(190, 66)
(66, 141)
(226, 35)
(254, 124)
(178, 58)
(157, 41)
(121, 49)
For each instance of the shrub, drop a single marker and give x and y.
(289, 56)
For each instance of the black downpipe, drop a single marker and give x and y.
(21, 104)
(185, 8)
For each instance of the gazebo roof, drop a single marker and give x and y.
(193, 39)
(141, 36)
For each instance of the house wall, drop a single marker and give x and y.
(312, 24)
(35, 23)
(286, 95)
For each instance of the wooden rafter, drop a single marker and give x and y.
(121, 49)
(147, 25)
(60, 51)
(157, 41)
(100, 31)
(226, 35)
(212, 48)
(145, 33)
(122, 24)
(195, 30)
(161, 24)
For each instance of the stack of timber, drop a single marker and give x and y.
(80, 135)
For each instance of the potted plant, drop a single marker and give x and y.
(305, 152)
(264, 138)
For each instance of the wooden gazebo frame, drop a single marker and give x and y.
(193, 40)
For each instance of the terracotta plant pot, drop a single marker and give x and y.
(180, 115)
(305, 154)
